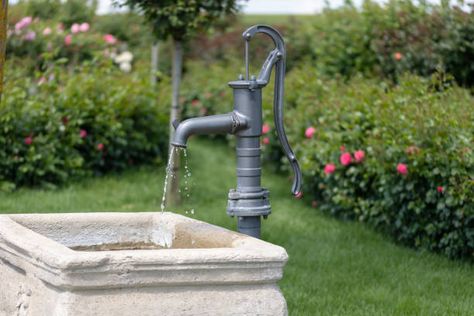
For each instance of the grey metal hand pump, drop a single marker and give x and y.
(249, 201)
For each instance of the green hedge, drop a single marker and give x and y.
(70, 125)
(390, 39)
(425, 126)
(416, 179)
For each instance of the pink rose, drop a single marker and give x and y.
(75, 28)
(83, 134)
(402, 168)
(440, 189)
(309, 132)
(342, 148)
(359, 155)
(30, 36)
(47, 31)
(398, 56)
(329, 168)
(345, 159)
(68, 40)
(100, 147)
(84, 27)
(110, 39)
(28, 140)
(265, 128)
(23, 23)
(195, 102)
(266, 140)
(42, 80)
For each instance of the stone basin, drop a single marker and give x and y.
(134, 264)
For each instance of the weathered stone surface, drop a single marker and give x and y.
(166, 264)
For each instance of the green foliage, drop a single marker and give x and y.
(390, 39)
(181, 19)
(425, 124)
(44, 9)
(78, 11)
(127, 27)
(95, 121)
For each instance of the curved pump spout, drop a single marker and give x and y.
(228, 123)
(249, 201)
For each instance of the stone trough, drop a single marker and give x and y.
(134, 264)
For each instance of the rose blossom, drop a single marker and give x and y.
(398, 56)
(329, 168)
(265, 128)
(440, 189)
(30, 36)
(47, 31)
(42, 80)
(309, 133)
(84, 27)
(110, 39)
(23, 23)
(100, 147)
(75, 28)
(345, 159)
(402, 168)
(82, 133)
(28, 140)
(266, 140)
(68, 40)
(359, 155)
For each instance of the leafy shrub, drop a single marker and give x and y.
(393, 38)
(91, 122)
(43, 9)
(413, 173)
(39, 43)
(73, 11)
(411, 164)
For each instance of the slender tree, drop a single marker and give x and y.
(179, 19)
(3, 40)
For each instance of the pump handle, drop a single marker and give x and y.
(277, 58)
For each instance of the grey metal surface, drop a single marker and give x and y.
(249, 201)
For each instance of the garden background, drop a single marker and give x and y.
(379, 109)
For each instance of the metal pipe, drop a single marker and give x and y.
(214, 124)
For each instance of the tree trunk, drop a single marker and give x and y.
(173, 197)
(3, 40)
(155, 58)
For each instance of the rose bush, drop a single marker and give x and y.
(399, 157)
(95, 121)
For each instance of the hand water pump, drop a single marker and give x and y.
(249, 201)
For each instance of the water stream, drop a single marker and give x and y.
(170, 174)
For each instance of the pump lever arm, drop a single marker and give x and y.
(277, 58)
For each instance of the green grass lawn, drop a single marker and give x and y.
(335, 268)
